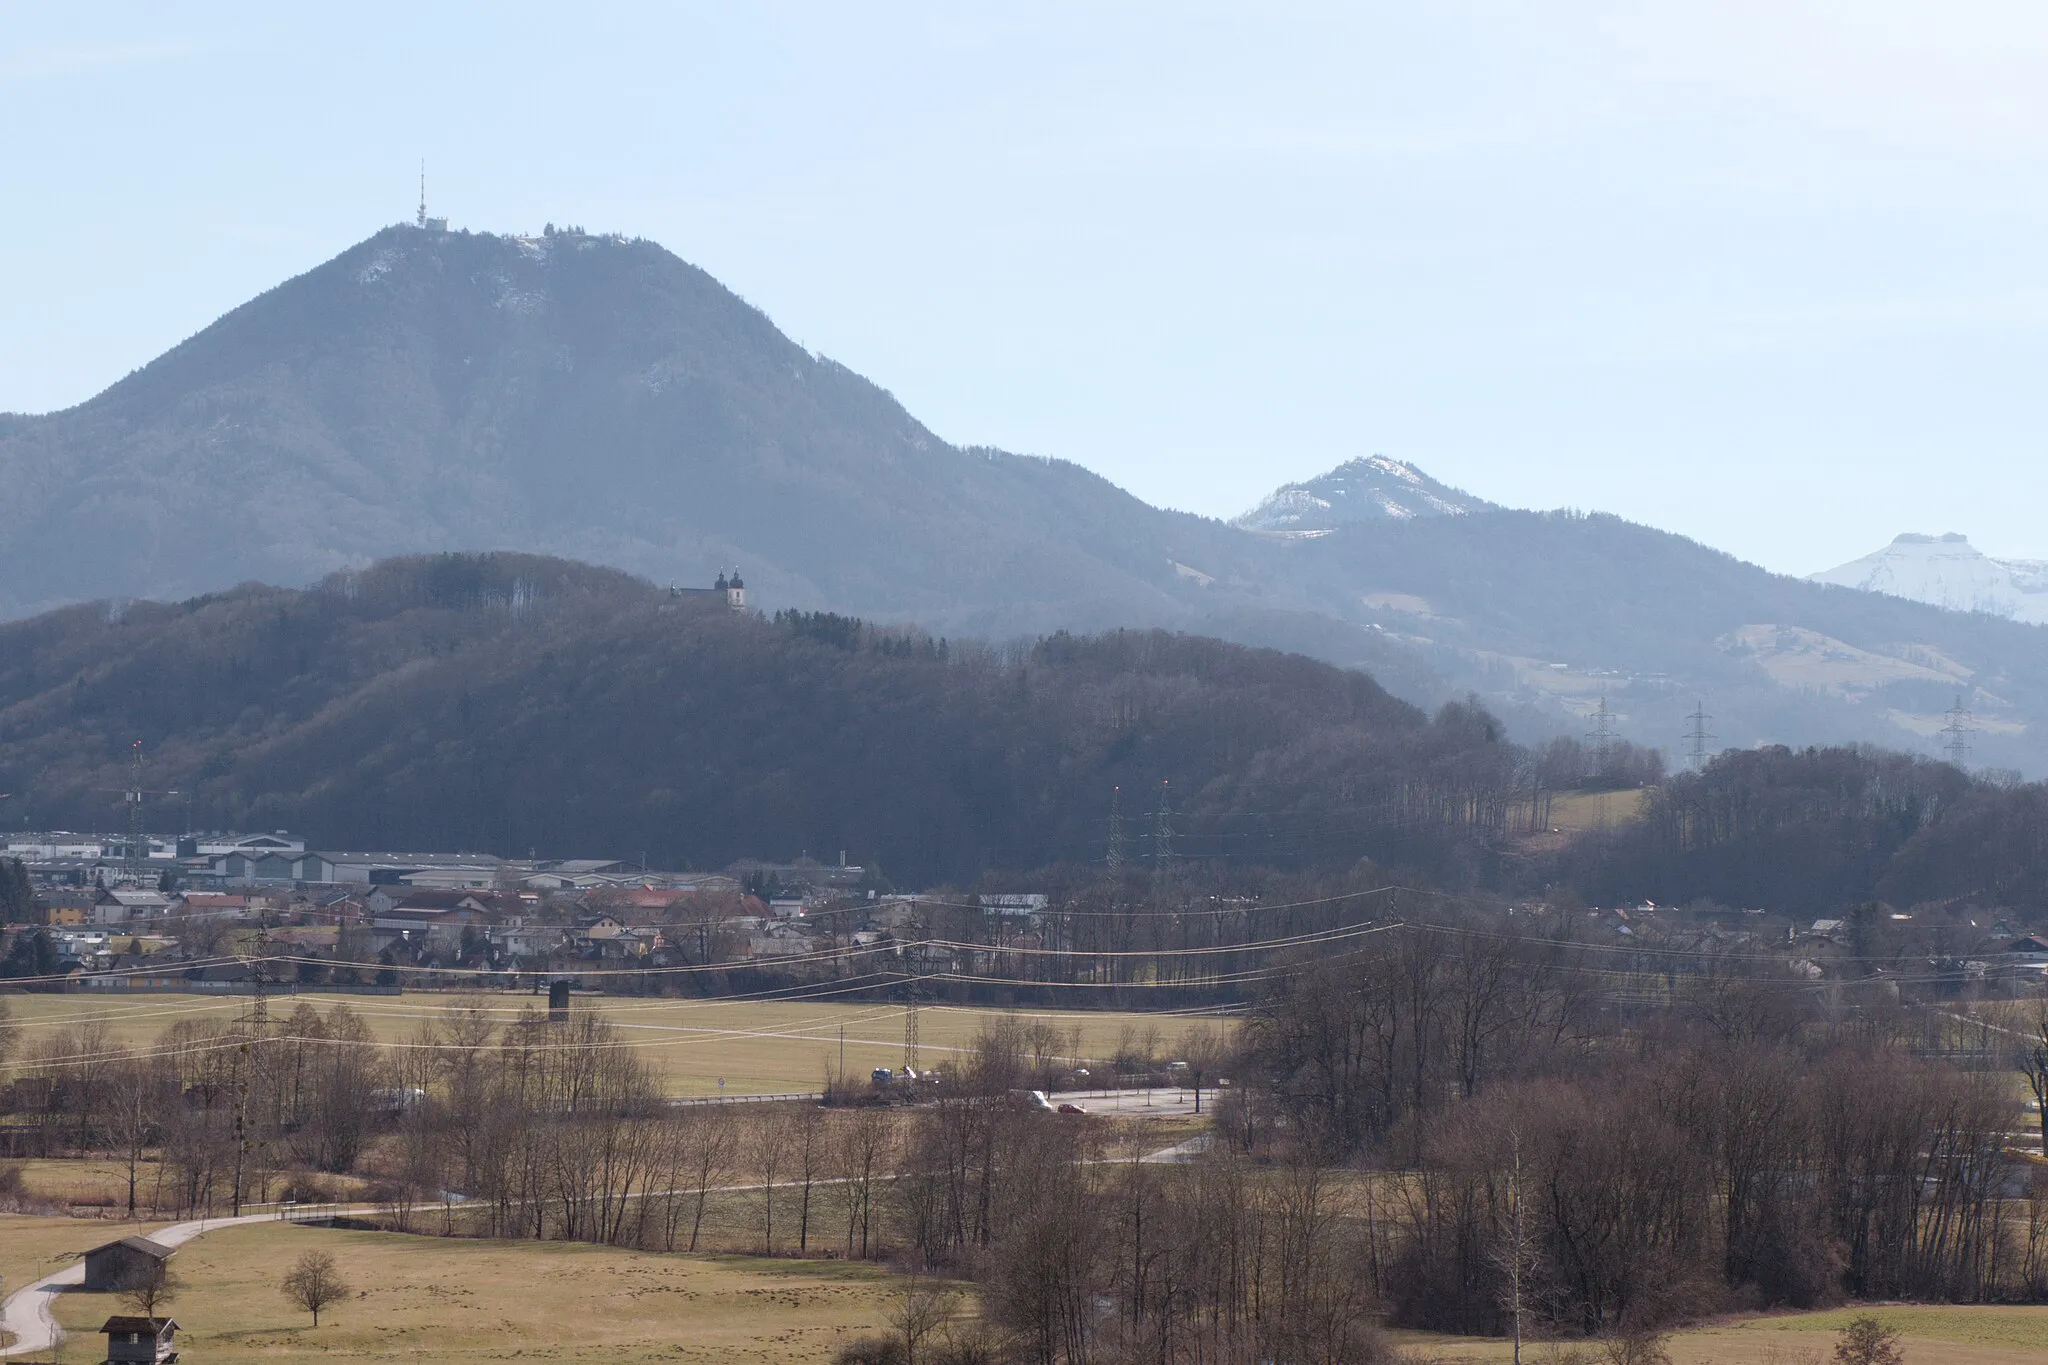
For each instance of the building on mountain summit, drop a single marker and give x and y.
(729, 590)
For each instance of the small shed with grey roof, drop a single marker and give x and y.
(126, 1264)
(141, 1341)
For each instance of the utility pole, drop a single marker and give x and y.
(1955, 742)
(255, 1024)
(1697, 736)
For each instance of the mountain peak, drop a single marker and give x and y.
(1367, 488)
(590, 396)
(1947, 571)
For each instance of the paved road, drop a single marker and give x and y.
(26, 1313)
(1162, 1104)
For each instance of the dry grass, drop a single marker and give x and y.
(1931, 1335)
(772, 1047)
(421, 1298)
(1572, 811)
(31, 1248)
(86, 1184)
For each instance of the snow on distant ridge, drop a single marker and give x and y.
(1375, 488)
(1947, 571)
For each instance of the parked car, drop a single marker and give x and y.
(1069, 1107)
(1033, 1100)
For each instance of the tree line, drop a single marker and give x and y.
(1471, 1124)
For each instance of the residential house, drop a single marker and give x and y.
(65, 907)
(126, 906)
(528, 941)
(383, 899)
(216, 905)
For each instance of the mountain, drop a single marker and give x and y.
(1947, 571)
(599, 399)
(1545, 615)
(512, 702)
(588, 396)
(1372, 489)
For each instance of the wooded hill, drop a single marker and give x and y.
(509, 703)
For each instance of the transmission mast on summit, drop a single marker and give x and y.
(424, 223)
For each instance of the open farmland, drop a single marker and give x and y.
(32, 1247)
(1931, 1335)
(420, 1298)
(758, 1047)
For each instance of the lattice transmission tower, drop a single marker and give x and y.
(1696, 736)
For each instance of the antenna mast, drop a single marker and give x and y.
(422, 221)
(1698, 735)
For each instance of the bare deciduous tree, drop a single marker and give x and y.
(313, 1282)
(156, 1286)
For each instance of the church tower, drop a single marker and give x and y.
(735, 591)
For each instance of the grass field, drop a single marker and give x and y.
(1571, 811)
(33, 1247)
(1932, 1335)
(759, 1047)
(419, 1298)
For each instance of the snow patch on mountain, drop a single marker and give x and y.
(1375, 488)
(1947, 571)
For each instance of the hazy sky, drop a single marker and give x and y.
(1770, 275)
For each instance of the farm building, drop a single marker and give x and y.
(125, 1264)
(141, 1341)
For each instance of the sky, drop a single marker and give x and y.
(1770, 275)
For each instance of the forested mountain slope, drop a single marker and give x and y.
(508, 703)
(1543, 614)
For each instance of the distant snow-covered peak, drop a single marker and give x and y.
(1947, 571)
(1372, 488)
